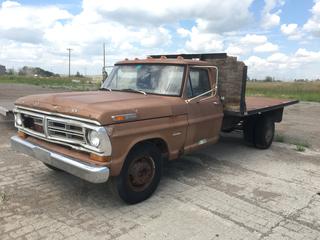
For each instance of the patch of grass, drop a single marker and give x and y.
(300, 148)
(3, 197)
(279, 138)
(80, 84)
(303, 91)
(301, 145)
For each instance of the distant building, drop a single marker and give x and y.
(2, 70)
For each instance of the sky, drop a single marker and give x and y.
(278, 38)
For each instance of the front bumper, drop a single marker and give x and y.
(88, 172)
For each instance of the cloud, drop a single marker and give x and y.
(82, 35)
(22, 35)
(159, 36)
(10, 4)
(210, 15)
(289, 29)
(38, 35)
(130, 28)
(292, 31)
(250, 39)
(308, 30)
(53, 29)
(267, 47)
(203, 42)
(27, 24)
(256, 43)
(278, 58)
(255, 62)
(235, 50)
(301, 64)
(303, 55)
(271, 13)
(313, 24)
(183, 32)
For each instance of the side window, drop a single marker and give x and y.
(198, 82)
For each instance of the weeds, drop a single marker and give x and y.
(279, 138)
(303, 91)
(3, 197)
(53, 82)
(300, 148)
(301, 145)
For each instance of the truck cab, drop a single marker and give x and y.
(189, 86)
(146, 112)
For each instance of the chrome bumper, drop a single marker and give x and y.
(91, 173)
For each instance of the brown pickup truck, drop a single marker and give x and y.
(146, 112)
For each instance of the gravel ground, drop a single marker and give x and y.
(10, 92)
(226, 191)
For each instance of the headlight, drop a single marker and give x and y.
(93, 138)
(18, 119)
(97, 140)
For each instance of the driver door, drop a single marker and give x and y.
(205, 113)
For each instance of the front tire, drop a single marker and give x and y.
(140, 174)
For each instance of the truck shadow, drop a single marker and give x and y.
(207, 160)
(193, 170)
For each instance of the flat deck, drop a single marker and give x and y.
(256, 105)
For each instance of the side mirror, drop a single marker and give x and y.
(215, 91)
(104, 76)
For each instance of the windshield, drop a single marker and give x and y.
(149, 78)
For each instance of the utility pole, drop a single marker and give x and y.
(104, 72)
(104, 56)
(69, 50)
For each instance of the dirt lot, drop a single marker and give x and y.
(10, 92)
(227, 191)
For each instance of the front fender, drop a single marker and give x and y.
(124, 136)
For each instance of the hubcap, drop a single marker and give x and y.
(141, 173)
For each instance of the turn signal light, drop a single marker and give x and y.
(124, 117)
(119, 118)
(98, 158)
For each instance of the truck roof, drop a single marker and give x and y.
(164, 60)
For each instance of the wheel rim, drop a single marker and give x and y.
(141, 173)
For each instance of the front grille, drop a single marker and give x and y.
(57, 128)
(54, 128)
(64, 131)
(34, 123)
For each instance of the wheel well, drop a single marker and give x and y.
(274, 115)
(159, 143)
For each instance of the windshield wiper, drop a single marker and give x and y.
(133, 90)
(106, 89)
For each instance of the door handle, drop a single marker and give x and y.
(215, 103)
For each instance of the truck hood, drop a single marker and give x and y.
(102, 105)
